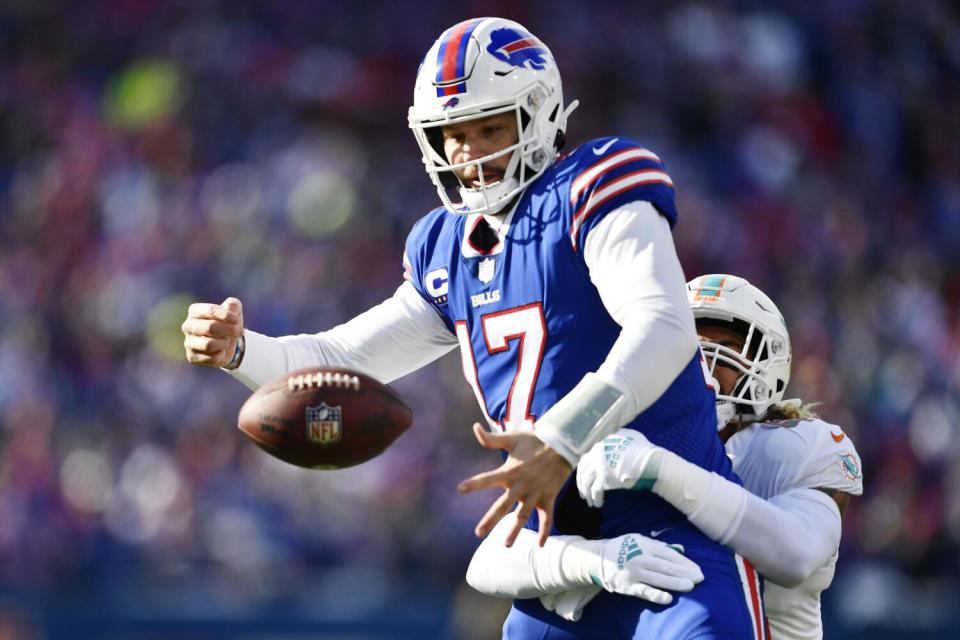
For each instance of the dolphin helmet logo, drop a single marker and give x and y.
(518, 49)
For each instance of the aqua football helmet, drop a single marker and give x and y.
(764, 362)
(479, 68)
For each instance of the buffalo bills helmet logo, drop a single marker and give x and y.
(452, 102)
(517, 49)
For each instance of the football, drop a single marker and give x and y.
(324, 418)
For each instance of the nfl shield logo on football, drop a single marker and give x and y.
(486, 269)
(324, 425)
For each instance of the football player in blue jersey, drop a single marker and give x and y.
(557, 278)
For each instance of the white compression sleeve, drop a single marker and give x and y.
(527, 570)
(634, 265)
(804, 522)
(396, 337)
(806, 525)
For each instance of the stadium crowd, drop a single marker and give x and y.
(157, 153)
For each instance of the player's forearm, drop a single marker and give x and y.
(390, 340)
(527, 570)
(806, 526)
(786, 538)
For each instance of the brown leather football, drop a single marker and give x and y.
(324, 418)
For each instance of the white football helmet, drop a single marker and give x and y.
(479, 68)
(764, 361)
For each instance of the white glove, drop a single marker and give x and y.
(623, 460)
(632, 565)
(569, 604)
(642, 567)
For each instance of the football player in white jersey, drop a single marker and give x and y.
(798, 472)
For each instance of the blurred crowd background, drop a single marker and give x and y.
(158, 153)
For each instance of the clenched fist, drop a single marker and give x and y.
(211, 332)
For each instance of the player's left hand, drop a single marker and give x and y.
(622, 460)
(532, 475)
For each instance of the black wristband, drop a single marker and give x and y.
(238, 354)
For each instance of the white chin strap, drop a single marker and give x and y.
(726, 411)
(490, 199)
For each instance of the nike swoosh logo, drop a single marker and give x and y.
(837, 437)
(602, 149)
(659, 532)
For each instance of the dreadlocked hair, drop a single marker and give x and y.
(786, 414)
(785, 411)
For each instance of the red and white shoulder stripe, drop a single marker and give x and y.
(599, 186)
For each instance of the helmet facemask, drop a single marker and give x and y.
(762, 364)
(528, 157)
(757, 386)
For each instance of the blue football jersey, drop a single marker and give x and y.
(531, 324)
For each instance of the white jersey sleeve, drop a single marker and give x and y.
(833, 462)
(396, 337)
(810, 454)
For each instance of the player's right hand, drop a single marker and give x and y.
(532, 476)
(622, 460)
(211, 331)
(642, 567)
